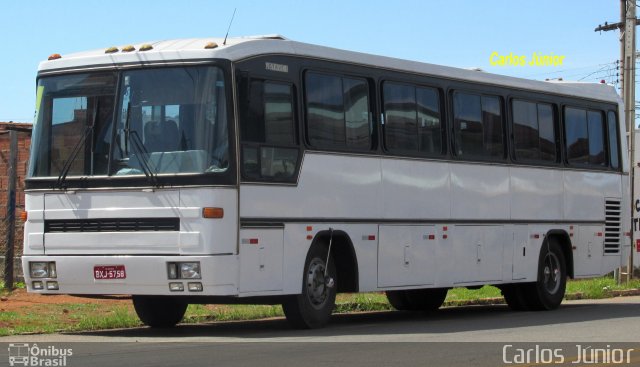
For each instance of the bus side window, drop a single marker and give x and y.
(478, 126)
(597, 156)
(412, 119)
(585, 132)
(533, 131)
(575, 127)
(338, 112)
(614, 150)
(268, 133)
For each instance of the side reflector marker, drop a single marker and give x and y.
(213, 213)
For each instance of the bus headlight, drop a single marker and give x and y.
(183, 270)
(190, 270)
(42, 269)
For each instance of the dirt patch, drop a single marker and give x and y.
(19, 300)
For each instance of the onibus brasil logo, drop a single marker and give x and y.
(24, 354)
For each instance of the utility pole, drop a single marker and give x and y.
(627, 27)
(11, 210)
(630, 104)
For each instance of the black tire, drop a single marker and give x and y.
(398, 300)
(427, 300)
(159, 311)
(514, 296)
(417, 299)
(312, 309)
(548, 291)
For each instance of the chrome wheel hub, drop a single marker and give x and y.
(317, 291)
(551, 273)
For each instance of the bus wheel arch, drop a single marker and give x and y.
(344, 257)
(564, 241)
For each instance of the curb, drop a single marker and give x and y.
(567, 297)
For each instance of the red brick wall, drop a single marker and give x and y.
(24, 141)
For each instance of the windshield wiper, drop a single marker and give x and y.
(142, 152)
(143, 155)
(60, 183)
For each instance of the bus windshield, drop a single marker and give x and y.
(146, 122)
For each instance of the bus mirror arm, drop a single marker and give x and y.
(329, 282)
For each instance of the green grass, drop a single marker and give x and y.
(16, 285)
(49, 318)
(118, 317)
(464, 294)
(208, 313)
(598, 287)
(362, 302)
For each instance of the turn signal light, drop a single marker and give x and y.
(23, 216)
(212, 213)
(54, 57)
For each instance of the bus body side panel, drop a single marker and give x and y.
(415, 189)
(480, 192)
(330, 186)
(536, 194)
(584, 205)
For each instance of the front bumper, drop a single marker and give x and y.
(145, 275)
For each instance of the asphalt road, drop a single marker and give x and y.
(459, 336)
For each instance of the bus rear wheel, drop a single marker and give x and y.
(159, 311)
(417, 299)
(312, 309)
(548, 290)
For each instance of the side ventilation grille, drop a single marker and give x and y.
(612, 226)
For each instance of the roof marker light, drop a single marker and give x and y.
(146, 47)
(55, 57)
(111, 50)
(211, 45)
(128, 48)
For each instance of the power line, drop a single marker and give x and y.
(570, 69)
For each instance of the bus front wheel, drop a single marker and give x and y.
(312, 309)
(159, 311)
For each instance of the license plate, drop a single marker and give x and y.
(109, 272)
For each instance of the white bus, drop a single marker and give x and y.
(263, 170)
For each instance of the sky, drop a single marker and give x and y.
(460, 33)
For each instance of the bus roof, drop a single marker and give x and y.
(235, 49)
